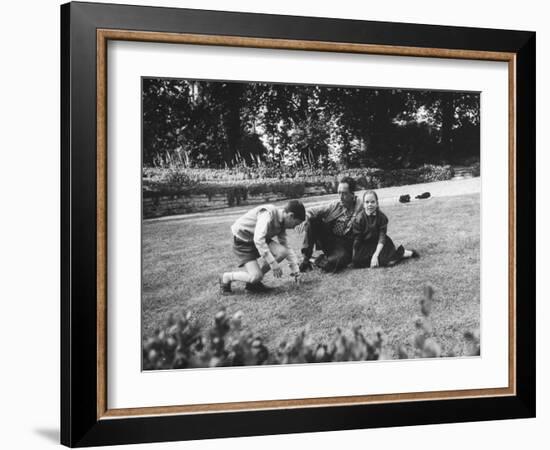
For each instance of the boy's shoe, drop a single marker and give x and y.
(415, 254)
(305, 265)
(225, 288)
(257, 288)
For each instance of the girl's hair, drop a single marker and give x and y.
(370, 192)
(375, 195)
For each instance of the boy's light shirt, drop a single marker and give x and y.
(261, 227)
(261, 236)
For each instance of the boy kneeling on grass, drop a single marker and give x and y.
(253, 235)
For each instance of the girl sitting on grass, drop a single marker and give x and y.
(372, 247)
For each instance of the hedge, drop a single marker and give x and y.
(180, 183)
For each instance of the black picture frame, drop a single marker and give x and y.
(81, 423)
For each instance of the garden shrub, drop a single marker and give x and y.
(430, 172)
(238, 185)
(182, 343)
(234, 192)
(175, 178)
(252, 174)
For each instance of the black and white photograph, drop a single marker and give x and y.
(296, 223)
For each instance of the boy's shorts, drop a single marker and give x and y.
(245, 251)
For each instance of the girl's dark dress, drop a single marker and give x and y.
(368, 231)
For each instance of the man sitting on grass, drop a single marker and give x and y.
(253, 244)
(329, 228)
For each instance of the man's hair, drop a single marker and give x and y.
(297, 208)
(350, 182)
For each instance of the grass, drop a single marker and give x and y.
(183, 258)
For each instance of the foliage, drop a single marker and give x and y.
(181, 343)
(241, 181)
(221, 124)
(476, 169)
(430, 172)
(235, 192)
(174, 178)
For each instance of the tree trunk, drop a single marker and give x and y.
(447, 122)
(232, 121)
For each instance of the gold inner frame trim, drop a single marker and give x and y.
(103, 36)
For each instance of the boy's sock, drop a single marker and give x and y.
(228, 277)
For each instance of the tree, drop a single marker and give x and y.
(220, 123)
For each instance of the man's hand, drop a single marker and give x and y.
(277, 271)
(374, 261)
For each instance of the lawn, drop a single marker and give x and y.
(183, 258)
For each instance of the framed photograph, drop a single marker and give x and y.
(279, 224)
